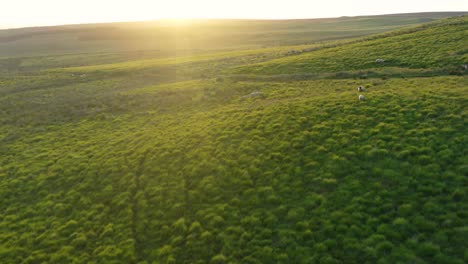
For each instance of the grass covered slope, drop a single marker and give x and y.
(166, 161)
(307, 174)
(438, 45)
(166, 38)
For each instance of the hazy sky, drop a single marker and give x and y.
(19, 13)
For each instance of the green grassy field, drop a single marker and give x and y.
(165, 38)
(431, 46)
(261, 155)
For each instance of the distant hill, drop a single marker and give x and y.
(197, 35)
(440, 45)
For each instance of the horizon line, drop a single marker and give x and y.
(214, 18)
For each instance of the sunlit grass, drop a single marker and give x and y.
(416, 50)
(249, 156)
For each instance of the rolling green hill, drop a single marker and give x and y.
(261, 155)
(440, 45)
(166, 38)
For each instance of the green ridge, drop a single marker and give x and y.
(440, 45)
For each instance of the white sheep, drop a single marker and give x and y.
(360, 89)
(256, 93)
(380, 60)
(253, 94)
(361, 97)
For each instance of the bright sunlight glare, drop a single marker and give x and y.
(20, 13)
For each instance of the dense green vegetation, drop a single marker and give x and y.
(439, 46)
(143, 159)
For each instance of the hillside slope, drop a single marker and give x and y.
(438, 45)
(169, 161)
(166, 38)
